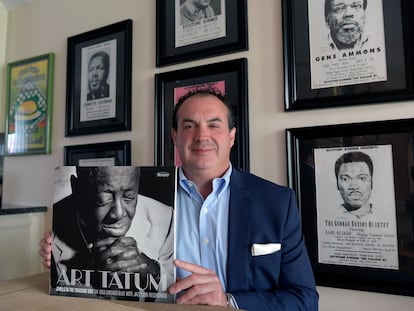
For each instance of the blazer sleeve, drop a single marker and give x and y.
(284, 279)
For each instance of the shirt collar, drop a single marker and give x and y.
(220, 184)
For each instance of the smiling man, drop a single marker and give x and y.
(346, 21)
(353, 172)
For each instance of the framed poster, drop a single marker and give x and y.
(339, 53)
(29, 105)
(193, 29)
(229, 78)
(115, 153)
(355, 190)
(98, 90)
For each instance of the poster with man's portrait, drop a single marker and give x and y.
(199, 21)
(347, 42)
(98, 85)
(356, 211)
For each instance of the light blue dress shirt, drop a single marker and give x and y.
(202, 224)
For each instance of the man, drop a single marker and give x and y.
(239, 242)
(353, 171)
(98, 71)
(105, 225)
(346, 21)
(193, 10)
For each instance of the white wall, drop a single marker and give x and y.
(43, 26)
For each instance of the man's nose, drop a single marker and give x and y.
(349, 10)
(353, 184)
(202, 133)
(117, 210)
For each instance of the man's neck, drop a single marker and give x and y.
(361, 211)
(203, 178)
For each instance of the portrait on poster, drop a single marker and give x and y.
(98, 85)
(199, 21)
(356, 209)
(347, 42)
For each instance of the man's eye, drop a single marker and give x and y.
(104, 199)
(130, 196)
(338, 9)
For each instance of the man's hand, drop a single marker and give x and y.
(122, 254)
(201, 287)
(46, 248)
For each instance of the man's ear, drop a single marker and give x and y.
(233, 135)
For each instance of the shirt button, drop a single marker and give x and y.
(206, 241)
(205, 210)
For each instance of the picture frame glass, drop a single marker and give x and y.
(29, 105)
(99, 80)
(189, 30)
(228, 77)
(355, 188)
(116, 153)
(329, 63)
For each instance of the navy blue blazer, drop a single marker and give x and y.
(262, 212)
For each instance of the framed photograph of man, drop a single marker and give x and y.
(114, 153)
(355, 190)
(228, 78)
(29, 99)
(194, 29)
(347, 52)
(98, 96)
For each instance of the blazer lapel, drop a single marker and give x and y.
(238, 233)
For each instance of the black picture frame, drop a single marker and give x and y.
(221, 34)
(315, 76)
(231, 76)
(109, 109)
(114, 153)
(394, 275)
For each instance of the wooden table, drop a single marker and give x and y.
(32, 293)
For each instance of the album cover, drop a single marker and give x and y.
(113, 232)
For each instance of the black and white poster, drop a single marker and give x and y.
(199, 21)
(347, 42)
(113, 232)
(98, 87)
(356, 209)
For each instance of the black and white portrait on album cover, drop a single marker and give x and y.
(113, 232)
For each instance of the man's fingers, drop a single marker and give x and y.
(103, 243)
(193, 268)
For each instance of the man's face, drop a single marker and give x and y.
(346, 20)
(355, 184)
(203, 138)
(96, 73)
(201, 3)
(111, 202)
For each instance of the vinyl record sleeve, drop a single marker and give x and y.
(113, 232)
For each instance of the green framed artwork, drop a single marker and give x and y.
(29, 105)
